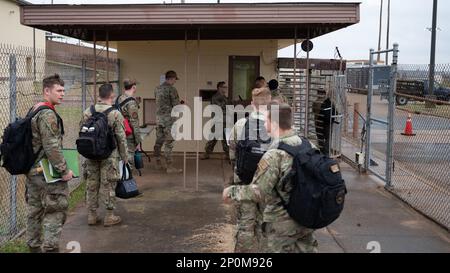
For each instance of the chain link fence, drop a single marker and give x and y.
(21, 72)
(422, 160)
(420, 174)
(75, 65)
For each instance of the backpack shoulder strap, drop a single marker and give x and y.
(92, 108)
(107, 111)
(125, 101)
(116, 103)
(291, 150)
(38, 107)
(301, 150)
(32, 113)
(306, 145)
(246, 129)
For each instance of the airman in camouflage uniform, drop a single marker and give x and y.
(166, 96)
(47, 202)
(105, 173)
(248, 236)
(282, 232)
(130, 111)
(220, 99)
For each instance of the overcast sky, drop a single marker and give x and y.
(409, 22)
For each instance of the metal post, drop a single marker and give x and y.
(340, 100)
(295, 97)
(185, 63)
(185, 97)
(34, 54)
(391, 112)
(345, 103)
(387, 30)
(12, 86)
(341, 72)
(368, 117)
(184, 169)
(83, 84)
(107, 56)
(331, 94)
(379, 31)
(12, 118)
(198, 88)
(355, 119)
(118, 76)
(95, 68)
(433, 50)
(308, 83)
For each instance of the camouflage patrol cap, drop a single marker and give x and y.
(171, 74)
(128, 83)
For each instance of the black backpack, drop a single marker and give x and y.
(318, 193)
(17, 152)
(96, 138)
(250, 149)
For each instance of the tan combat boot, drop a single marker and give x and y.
(170, 169)
(111, 219)
(93, 218)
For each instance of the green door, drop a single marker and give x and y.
(243, 72)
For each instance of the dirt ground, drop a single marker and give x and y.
(167, 217)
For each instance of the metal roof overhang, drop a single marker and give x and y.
(175, 21)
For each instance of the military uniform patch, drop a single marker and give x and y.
(263, 165)
(51, 120)
(334, 168)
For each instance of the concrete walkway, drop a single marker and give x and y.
(171, 218)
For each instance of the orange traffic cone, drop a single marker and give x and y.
(408, 127)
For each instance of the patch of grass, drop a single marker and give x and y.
(16, 246)
(77, 195)
(71, 116)
(20, 246)
(439, 110)
(69, 111)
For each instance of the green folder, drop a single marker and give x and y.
(50, 173)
